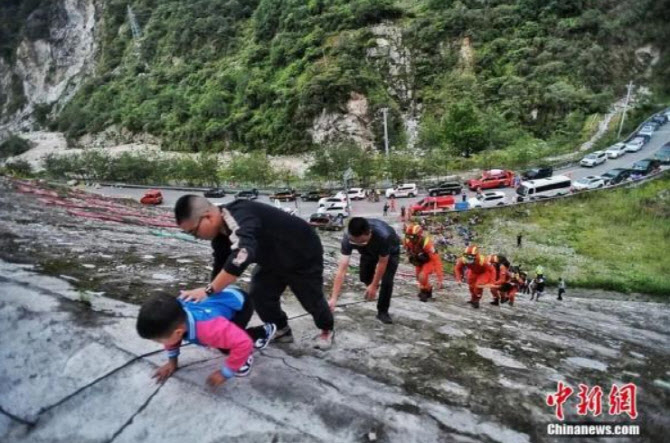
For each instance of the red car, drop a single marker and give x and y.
(152, 197)
(432, 205)
(495, 178)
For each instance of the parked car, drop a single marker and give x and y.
(495, 178)
(251, 194)
(646, 130)
(660, 118)
(336, 208)
(635, 144)
(488, 200)
(339, 197)
(616, 150)
(215, 193)
(152, 197)
(328, 222)
(645, 166)
(590, 182)
(540, 172)
(287, 194)
(594, 159)
(314, 195)
(445, 188)
(404, 190)
(663, 154)
(432, 205)
(615, 176)
(356, 194)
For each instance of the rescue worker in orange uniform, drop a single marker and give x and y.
(512, 284)
(426, 260)
(479, 273)
(501, 265)
(509, 289)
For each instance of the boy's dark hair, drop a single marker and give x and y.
(358, 226)
(159, 316)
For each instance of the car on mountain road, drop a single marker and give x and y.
(445, 188)
(494, 178)
(635, 144)
(616, 176)
(616, 150)
(535, 173)
(590, 182)
(488, 200)
(594, 159)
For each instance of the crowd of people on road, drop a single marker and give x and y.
(287, 253)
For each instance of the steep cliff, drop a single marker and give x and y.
(53, 54)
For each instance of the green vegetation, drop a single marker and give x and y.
(211, 75)
(200, 170)
(14, 145)
(612, 240)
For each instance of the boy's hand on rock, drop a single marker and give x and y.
(164, 372)
(195, 295)
(215, 379)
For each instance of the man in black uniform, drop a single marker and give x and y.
(286, 250)
(379, 246)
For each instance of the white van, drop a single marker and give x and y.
(543, 188)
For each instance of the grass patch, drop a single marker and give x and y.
(611, 240)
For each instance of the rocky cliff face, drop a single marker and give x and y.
(50, 64)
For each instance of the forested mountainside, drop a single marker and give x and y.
(286, 75)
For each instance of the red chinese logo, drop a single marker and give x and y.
(590, 400)
(562, 394)
(621, 400)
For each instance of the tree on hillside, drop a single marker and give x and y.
(463, 128)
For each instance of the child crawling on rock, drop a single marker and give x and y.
(215, 322)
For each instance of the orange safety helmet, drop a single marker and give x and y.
(413, 231)
(471, 254)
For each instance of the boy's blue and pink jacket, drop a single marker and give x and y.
(208, 324)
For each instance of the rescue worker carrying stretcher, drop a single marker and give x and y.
(480, 273)
(426, 260)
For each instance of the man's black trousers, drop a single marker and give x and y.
(367, 273)
(267, 286)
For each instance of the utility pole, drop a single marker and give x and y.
(625, 107)
(386, 131)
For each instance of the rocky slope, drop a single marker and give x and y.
(442, 372)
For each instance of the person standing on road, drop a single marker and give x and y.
(386, 209)
(379, 246)
(286, 250)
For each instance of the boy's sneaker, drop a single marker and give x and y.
(284, 335)
(245, 369)
(270, 331)
(495, 302)
(324, 340)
